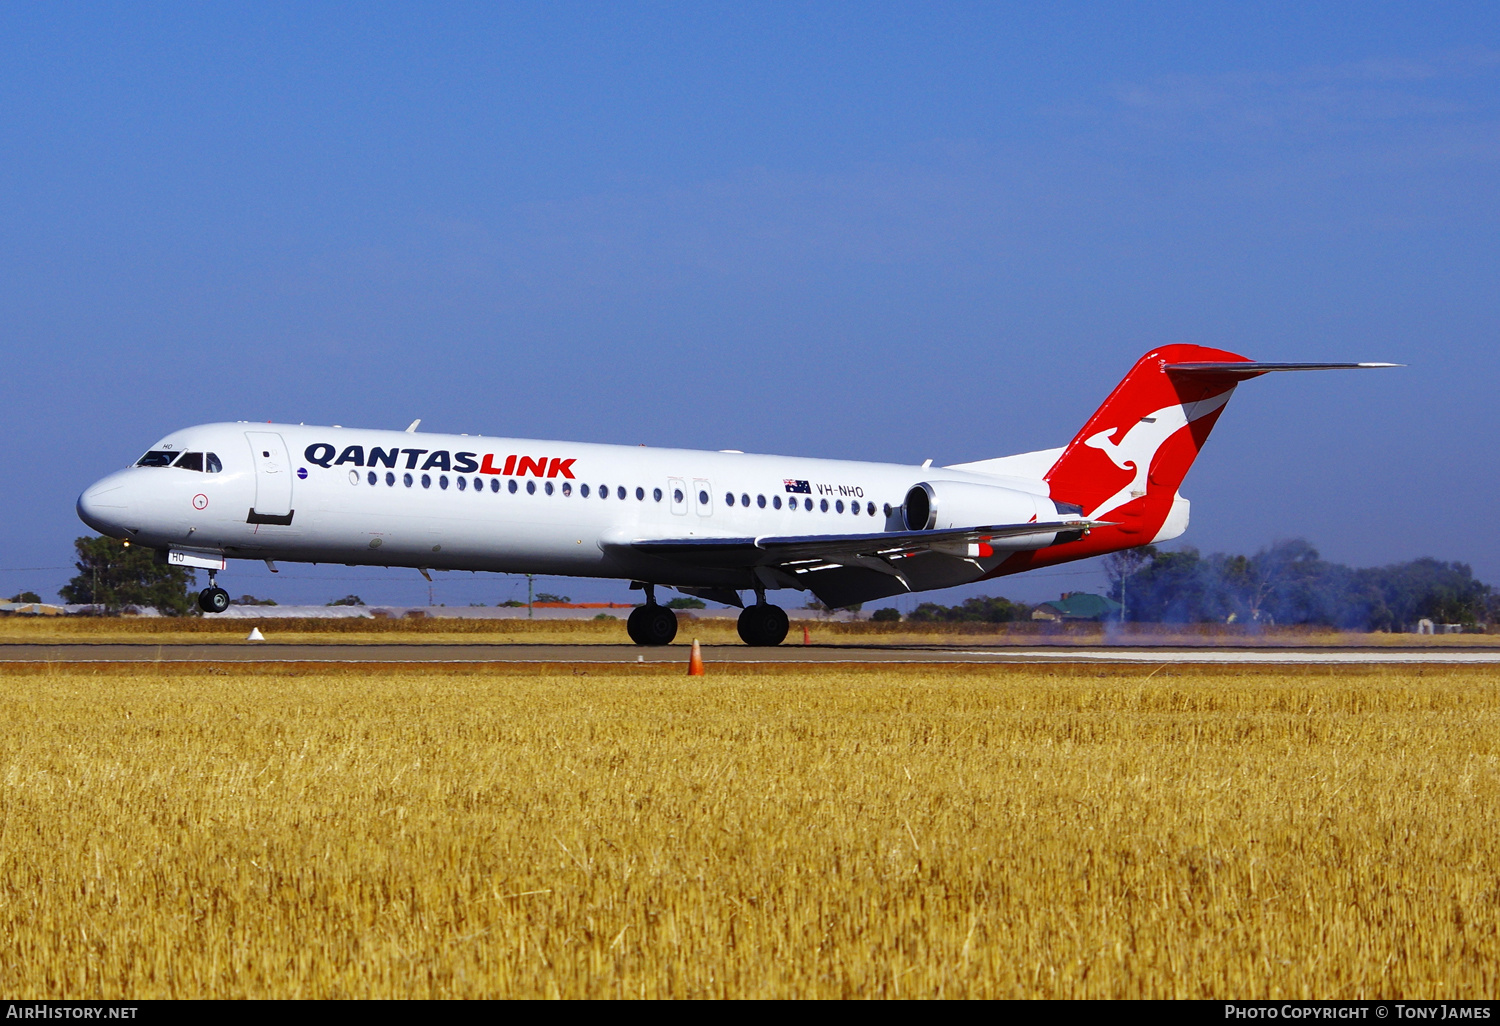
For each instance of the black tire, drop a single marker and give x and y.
(635, 624)
(213, 600)
(651, 625)
(763, 626)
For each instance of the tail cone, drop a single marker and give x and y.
(695, 661)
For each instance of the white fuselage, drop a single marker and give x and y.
(466, 502)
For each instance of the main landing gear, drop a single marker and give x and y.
(763, 625)
(651, 624)
(213, 599)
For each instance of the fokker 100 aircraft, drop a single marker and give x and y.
(711, 524)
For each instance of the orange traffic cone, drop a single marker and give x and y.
(806, 637)
(695, 661)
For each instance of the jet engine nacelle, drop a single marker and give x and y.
(946, 505)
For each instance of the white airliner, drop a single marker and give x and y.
(711, 524)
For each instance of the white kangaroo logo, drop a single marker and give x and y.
(1138, 448)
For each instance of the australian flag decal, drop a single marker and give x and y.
(799, 487)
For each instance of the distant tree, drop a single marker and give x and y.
(1290, 583)
(251, 600)
(886, 615)
(512, 604)
(25, 596)
(115, 577)
(687, 603)
(981, 609)
(547, 596)
(1118, 566)
(348, 600)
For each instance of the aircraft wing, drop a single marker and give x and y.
(807, 560)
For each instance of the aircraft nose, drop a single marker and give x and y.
(102, 506)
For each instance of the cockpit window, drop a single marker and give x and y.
(190, 461)
(214, 466)
(156, 458)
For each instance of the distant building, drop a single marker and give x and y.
(31, 609)
(1077, 605)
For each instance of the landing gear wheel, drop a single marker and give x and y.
(213, 600)
(651, 625)
(763, 626)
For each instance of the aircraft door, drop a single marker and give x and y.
(677, 492)
(703, 496)
(273, 478)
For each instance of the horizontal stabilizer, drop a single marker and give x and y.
(1251, 369)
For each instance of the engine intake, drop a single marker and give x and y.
(949, 505)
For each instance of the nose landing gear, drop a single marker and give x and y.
(651, 624)
(213, 599)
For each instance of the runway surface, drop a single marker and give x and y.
(260, 652)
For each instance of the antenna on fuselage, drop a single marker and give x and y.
(411, 428)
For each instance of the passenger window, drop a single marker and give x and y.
(463, 483)
(390, 479)
(494, 484)
(512, 486)
(888, 509)
(354, 477)
(620, 493)
(839, 505)
(406, 478)
(190, 461)
(744, 499)
(854, 508)
(372, 478)
(824, 505)
(760, 500)
(443, 482)
(530, 487)
(604, 491)
(548, 487)
(677, 495)
(870, 508)
(156, 458)
(426, 480)
(729, 498)
(656, 494)
(776, 502)
(640, 494)
(703, 498)
(214, 466)
(583, 490)
(479, 484)
(567, 489)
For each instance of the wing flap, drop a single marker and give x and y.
(777, 550)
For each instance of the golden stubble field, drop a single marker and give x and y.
(711, 630)
(206, 831)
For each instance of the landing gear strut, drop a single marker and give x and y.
(651, 624)
(213, 599)
(763, 625)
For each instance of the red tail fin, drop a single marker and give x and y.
(1130, 458)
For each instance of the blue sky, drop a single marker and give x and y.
(858, 231)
